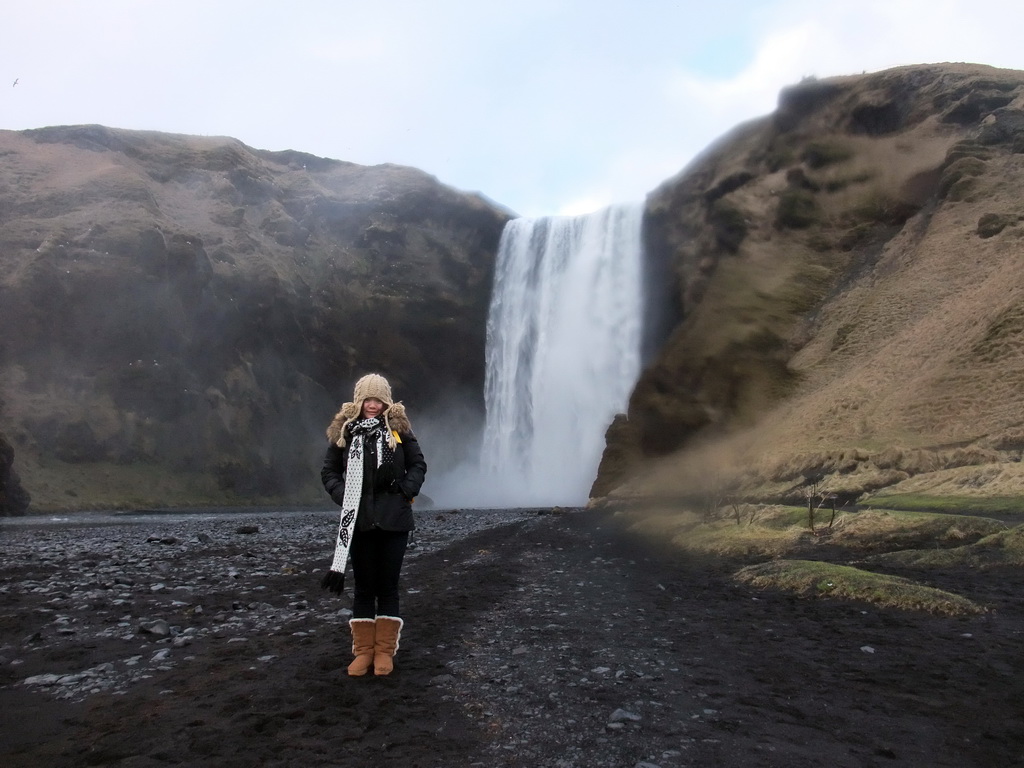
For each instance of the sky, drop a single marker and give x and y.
(547, 107)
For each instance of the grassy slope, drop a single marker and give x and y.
(904, 367)
(841, 560)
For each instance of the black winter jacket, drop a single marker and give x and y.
(386, 502)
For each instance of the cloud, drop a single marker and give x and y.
(801, 39)
(546, 106)
(583, 206)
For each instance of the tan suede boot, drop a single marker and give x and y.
(389, 630)
(364, 632)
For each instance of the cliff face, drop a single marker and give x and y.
(13, 498)
(849, 296)
(182, 315)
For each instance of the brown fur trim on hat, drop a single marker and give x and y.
(394, 417)
(336, 431)
(397, 421)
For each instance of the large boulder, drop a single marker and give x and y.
(182, 315)
(846, 281)
(14, 500)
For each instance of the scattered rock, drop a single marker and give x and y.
(160, 628)
(991, 224)
(580, 595)
(47, 564)
(620, 715)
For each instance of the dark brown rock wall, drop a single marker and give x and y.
(182, 315)
(14, 500)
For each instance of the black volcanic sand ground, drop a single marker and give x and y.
(546, 640)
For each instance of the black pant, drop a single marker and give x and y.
(376, 564)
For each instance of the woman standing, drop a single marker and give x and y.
(373, 470)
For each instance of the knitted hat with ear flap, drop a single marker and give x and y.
(371, 385)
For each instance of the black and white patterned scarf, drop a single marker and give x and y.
(365, 432)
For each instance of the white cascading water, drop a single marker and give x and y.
(563, 351)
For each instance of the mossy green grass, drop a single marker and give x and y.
(816, 579)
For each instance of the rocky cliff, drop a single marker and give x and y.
(849, 298)
(182, 315)
(13, 498)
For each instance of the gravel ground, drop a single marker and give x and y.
(533, 638)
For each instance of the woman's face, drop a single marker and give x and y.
(372, 408)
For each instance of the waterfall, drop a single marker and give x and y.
(563, 351)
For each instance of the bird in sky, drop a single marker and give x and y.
(15, 82)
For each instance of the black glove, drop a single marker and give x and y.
(333, 581)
